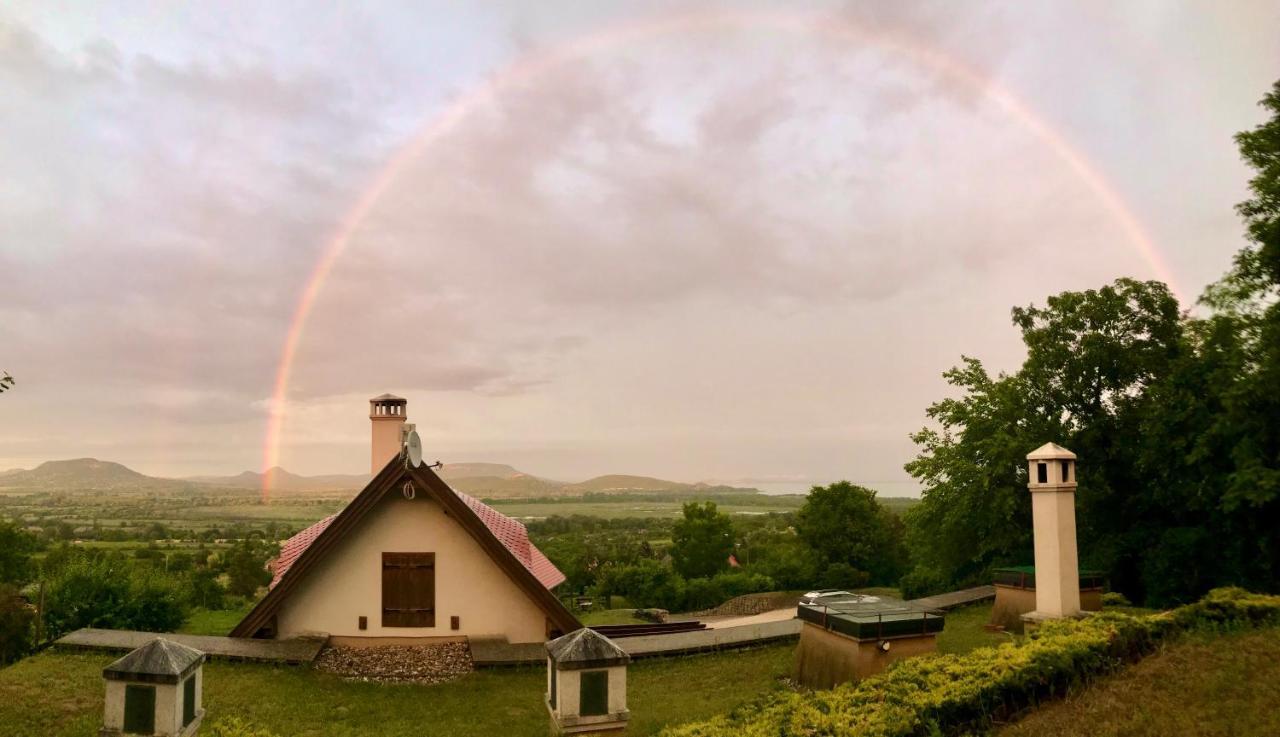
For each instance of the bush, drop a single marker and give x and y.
(737, 583)
(1115, 598)
(703, 593)
(949, 694)
(646, 584)
(111, 594)
(16, 618)
(842, 576)
(921, 582)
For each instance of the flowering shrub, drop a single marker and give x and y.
(949, 694)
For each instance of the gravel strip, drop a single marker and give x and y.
(398, 663)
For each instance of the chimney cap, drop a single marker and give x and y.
(388, 398)
(1051, 452)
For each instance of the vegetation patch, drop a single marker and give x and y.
(950, 694)
(1220, 684)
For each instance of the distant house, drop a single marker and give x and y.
(410, 559)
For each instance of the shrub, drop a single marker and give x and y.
(112, 594)
(842, 576)
(16, 618)
(922, 581)
(1115, 598)
(958, 693)
(646, 584)
(737, 583)
(707, 593)
(703, 593)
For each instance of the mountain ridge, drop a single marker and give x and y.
(482, 479)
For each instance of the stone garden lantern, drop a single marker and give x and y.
(587, 683)
(154, 690)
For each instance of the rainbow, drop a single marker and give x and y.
(536, 64)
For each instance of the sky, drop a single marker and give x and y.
(731, 241)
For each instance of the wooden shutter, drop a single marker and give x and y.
(140, 709)
(188, 700)
(594, 697)
(408, 589)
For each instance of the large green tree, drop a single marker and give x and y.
(851, 533)
(701, 541)
(1176, 420)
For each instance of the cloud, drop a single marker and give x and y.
(704, 247)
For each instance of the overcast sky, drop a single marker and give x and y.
(669, 240)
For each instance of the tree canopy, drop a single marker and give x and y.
(1175, 418)
(701, 541)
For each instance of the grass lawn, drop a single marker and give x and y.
(1204, 685)
(963, 630)
(214, 621)
(610, 616)
(59, 694)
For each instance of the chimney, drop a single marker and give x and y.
(1052, 484)
(387, 414)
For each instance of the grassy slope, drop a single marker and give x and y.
(56, 694)
(1205, 685)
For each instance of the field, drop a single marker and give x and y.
(121, 519)
(1205, 685)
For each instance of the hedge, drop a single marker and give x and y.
(952, 694)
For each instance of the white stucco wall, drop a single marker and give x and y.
(347, 584)
(1053, 514)
(168, 709)
(569, 694)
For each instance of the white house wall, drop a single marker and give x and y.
(347, 583)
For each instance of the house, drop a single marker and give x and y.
(410, 560)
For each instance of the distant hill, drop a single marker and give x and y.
(621, 483)
(80, 474)
(486, 480)
(282, 480)
(474, 470)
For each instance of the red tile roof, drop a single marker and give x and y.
(511, 533)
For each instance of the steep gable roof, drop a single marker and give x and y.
(504, 539)
(511, 533)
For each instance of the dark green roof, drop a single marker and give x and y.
(871, 617)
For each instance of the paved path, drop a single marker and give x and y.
(229, 648)
(773, 615)
(956, 598)
(763, 628)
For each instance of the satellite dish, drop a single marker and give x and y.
(414, 447)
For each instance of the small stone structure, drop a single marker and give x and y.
(1016, 595)
(1052, 482)
(847, 637)
(587, 683)
(154, 690)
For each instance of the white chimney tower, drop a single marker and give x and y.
(1052, 483)
(387, 414)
